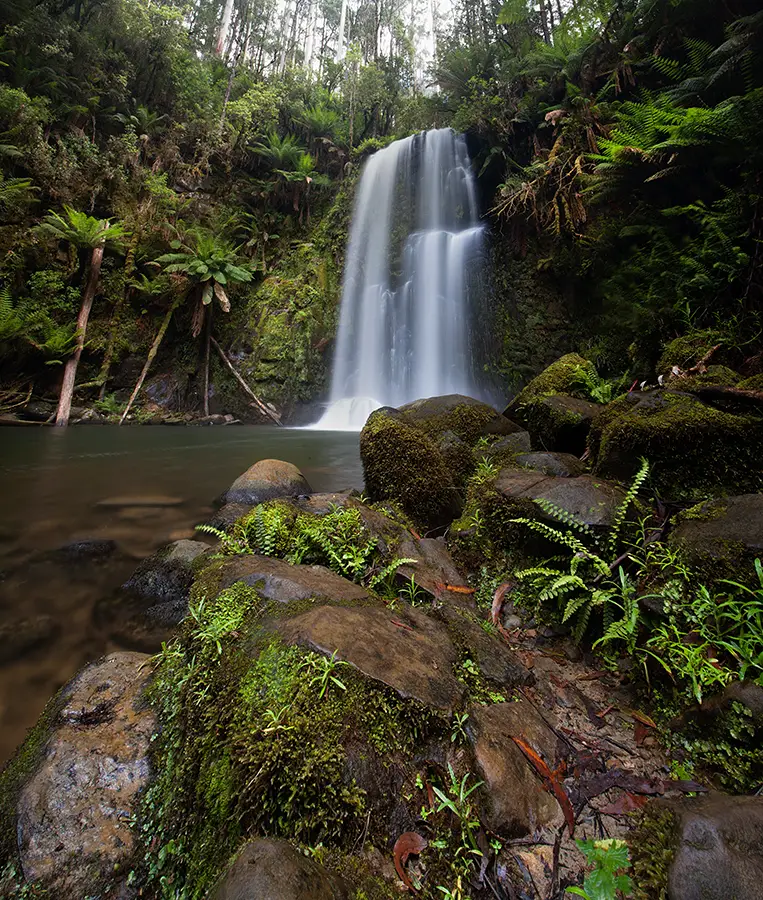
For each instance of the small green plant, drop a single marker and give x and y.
(412, 593)
(607, 880)
(484, 472)
(458, 732)
(456, 799)
(323, 668)
(109, 405)
(231, 544)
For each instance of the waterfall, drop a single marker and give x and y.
(414, 258)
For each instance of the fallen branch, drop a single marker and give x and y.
(260, 405)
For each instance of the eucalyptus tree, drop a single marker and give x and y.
(89, 236)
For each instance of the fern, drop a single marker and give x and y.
(628, 500)
(389, 570)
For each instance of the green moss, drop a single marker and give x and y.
(755, 383)
(436, 416)
(695, 451)
(249, 746)
(652, 847)
(688, 350)
(401, 463)
(561, 377)
(715, 375)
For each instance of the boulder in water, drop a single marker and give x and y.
(562, 377)
(463, 416)
(268, 479)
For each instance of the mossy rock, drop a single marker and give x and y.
(558, 422)
(688, 350)
(464, 416)
(561, 377)
(722, 538)
(721, 376)
(755, 383)
(401, 463)
(695, 451)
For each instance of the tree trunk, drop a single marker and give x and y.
(206, 360)
(70, 372)
(150, 358)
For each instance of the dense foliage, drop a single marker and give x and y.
(615, 141)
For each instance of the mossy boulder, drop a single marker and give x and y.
(561, 377)
(695, 450)
(558, 422)
(686, 351)
(721, 376)
(754, 383)
(565, 465)
(267, 479)
(467, 418)
(402, 463)
(722, 537)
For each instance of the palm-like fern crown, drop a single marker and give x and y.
(81, 230)
(280, 152)
(204, 258)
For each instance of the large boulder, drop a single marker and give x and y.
(402, 463)
(166, 577)
(722, 537)
(565, 376)
(718, 849)
(268, 869)
(268, 479)
(467, 418)
(75, 787)
(565, 465)
(558, 422)
(695, 450)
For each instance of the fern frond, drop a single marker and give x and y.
(622, 510)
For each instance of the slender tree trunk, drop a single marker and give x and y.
(206, 360)
(544, 21)
(222, 34)
(70, 372)
(150, 358)
(342, 20)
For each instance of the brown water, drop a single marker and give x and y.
(140, 487)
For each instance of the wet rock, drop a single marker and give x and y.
(719, 852)
(558, 422)
(722, 534)
(414, 656)
(227, 515)
(87, 550)
(465, 417)
(166, 577)
(696, 451)
(458, 457)
(434, 570)
(747, 693)
(280, 581)
(21, 636)
(563, 465)
(268, 479)
(504, 450)
(402, 463)
(275, 870)
(591, 501)
(164, 391)
(73, 813)
(516, 803)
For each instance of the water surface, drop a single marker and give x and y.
(59, 486)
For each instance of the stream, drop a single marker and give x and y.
(138, 487)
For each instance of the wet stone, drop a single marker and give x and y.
(406, 650)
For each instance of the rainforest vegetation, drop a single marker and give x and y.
(179, 176)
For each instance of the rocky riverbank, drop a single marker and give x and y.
(524, 659)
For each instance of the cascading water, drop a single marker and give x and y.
(414, 258)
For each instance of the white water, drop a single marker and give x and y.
(415, 250)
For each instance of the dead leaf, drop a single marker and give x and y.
(550, 782)
(498, 600)
(627, 803)
(454, 588)
(409, 843)
(640, 717)
(639, 733)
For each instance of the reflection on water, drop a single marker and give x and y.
(53, 484)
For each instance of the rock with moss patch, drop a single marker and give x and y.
(685, 352)
(722, 537)
(402, 463)
(558, 422)
(467, 418)
(564, 465)
(274, 870)
(561, 377)
(695, 450)
(268, 479)
(74, 810)
(718, 848)
(406, 650)
(753, 383)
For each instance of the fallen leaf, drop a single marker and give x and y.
(627, 803)
(401, 625)
(453, 588)
(604, 712)
(640, 717)
(410, 842)
(551, 782)
(639, 733)
(498, 599)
